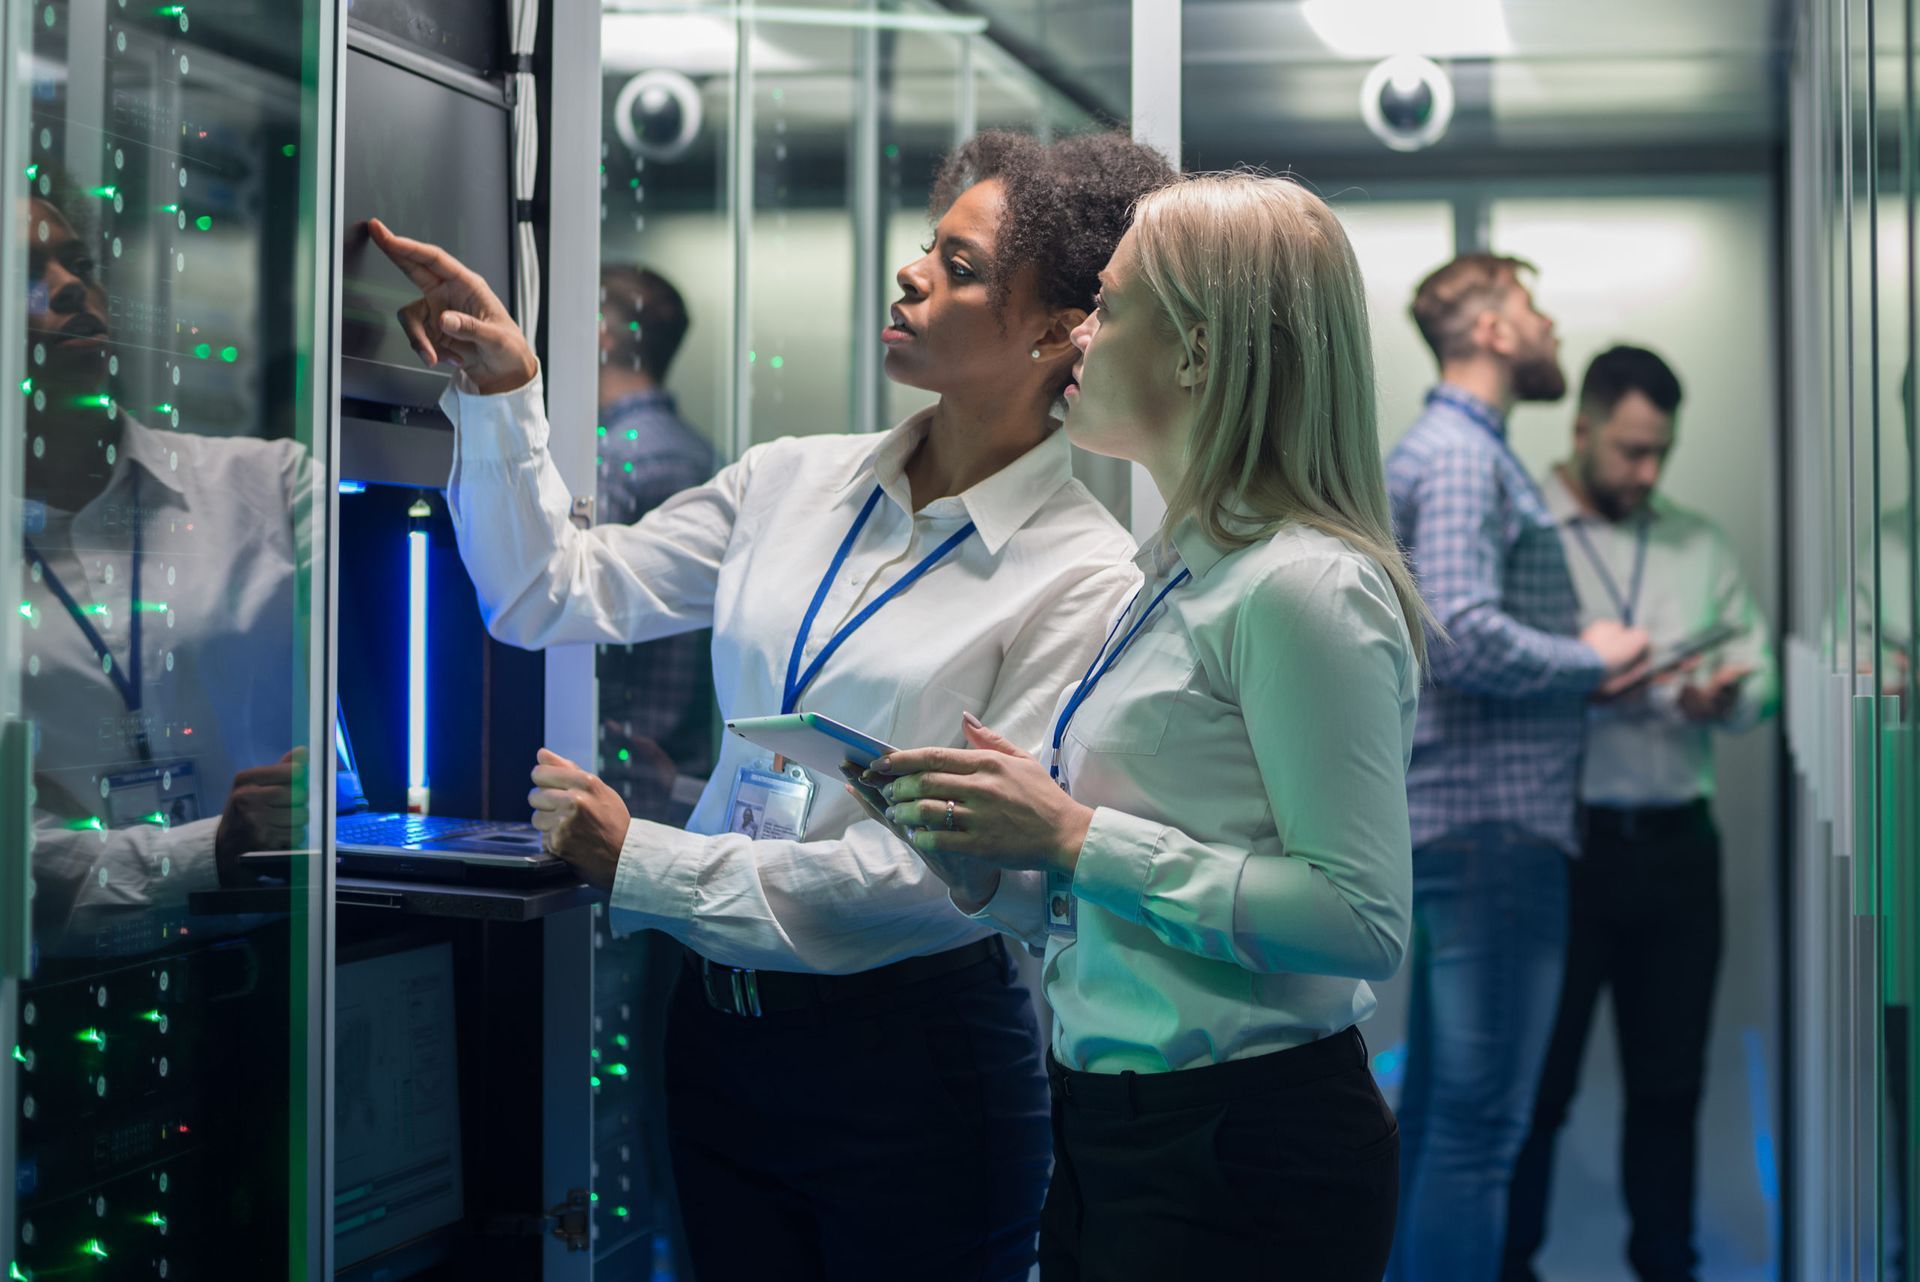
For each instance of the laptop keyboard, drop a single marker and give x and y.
(408, 830)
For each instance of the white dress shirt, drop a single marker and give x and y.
(221, 541)
(1249, 865)
(1644, 751)
(996, 629)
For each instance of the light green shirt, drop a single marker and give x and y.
(1249, 866)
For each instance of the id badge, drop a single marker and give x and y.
(768, 803)
(163, 793)
(1063, 910)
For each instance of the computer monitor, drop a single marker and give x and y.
(396, 1130)
(430, 157)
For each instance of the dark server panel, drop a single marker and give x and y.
(633, 1238)
(167, 211)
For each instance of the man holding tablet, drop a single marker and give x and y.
(1645, 896)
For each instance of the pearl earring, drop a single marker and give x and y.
(1036, 353)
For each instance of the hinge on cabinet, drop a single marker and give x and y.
(570, 1221)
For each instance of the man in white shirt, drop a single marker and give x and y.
(1645, 895)
(159, 623)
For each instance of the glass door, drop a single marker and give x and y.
(165, 471)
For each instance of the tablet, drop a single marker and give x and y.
(816, 742)
(1667, 658)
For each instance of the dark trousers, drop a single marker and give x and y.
(1281, 1166)
(1645, 921)
(901, 1136)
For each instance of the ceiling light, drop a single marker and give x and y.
(1436, 28)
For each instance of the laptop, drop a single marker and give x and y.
(374, 843)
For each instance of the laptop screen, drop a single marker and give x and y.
(349, 798)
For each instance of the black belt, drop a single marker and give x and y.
(738, 990)
(1635, 822)
(1130, 1092)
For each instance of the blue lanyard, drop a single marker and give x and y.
(1624, 604)
(127, 681)
(1477, 412)
(797, 680)
(1097, 669)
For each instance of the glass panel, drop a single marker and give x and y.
(166, 653)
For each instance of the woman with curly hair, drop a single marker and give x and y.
(1214, 851)
(853, 1083)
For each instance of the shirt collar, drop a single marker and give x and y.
(1187, 544)
(141, 445)
(1461, 401)
(999, 506)
(658, 399)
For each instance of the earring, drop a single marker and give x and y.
(1036, 353)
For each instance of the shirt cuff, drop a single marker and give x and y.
(502, 428)
(1018, 908)
(656, 879)
(1116, 863)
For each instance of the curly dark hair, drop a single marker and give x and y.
(1068, 204)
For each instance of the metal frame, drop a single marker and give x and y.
(14, 49)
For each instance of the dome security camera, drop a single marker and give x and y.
(1407, 102)
(657, 115)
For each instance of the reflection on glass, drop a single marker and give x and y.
(164, 596)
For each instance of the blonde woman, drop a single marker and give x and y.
(1214, 853)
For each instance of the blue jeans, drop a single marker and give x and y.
(1489, 948)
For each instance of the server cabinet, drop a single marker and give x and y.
(165, 446)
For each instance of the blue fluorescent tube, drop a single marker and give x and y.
(416, 658)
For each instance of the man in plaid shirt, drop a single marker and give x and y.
(1492, 785)
(656, 714)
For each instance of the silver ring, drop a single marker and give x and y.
(949, 816)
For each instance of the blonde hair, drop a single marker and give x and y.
(1284, 428)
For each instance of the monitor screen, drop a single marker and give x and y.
(431, 161)
(397, 1105)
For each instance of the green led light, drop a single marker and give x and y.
(288, 150)
(593, 1197)
(893, 151)
(90, 824)
(620, 1040)
(778, 361)
(105, 193)
(625, 755)
(170, 209)
(621, 1211)
(633, 326)
(600, 432)
(94, 607)
(154, 1218)
(752, 356)
(33, 172)
(204, 222)
(203, 350)
(633, 434)
(158, 818)
(26, 609)
(595, 1080)
(94, 1249)
(152, 1016)
(164, 407)
(26, 386)
(229, 354)
(150, 607)
(627, 466)
(15, 1275)
(93, 402)
(19, 1055)
(618, 1070)
(595, 1052)
(634, 183)
(171, 11)
(93, 1037)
